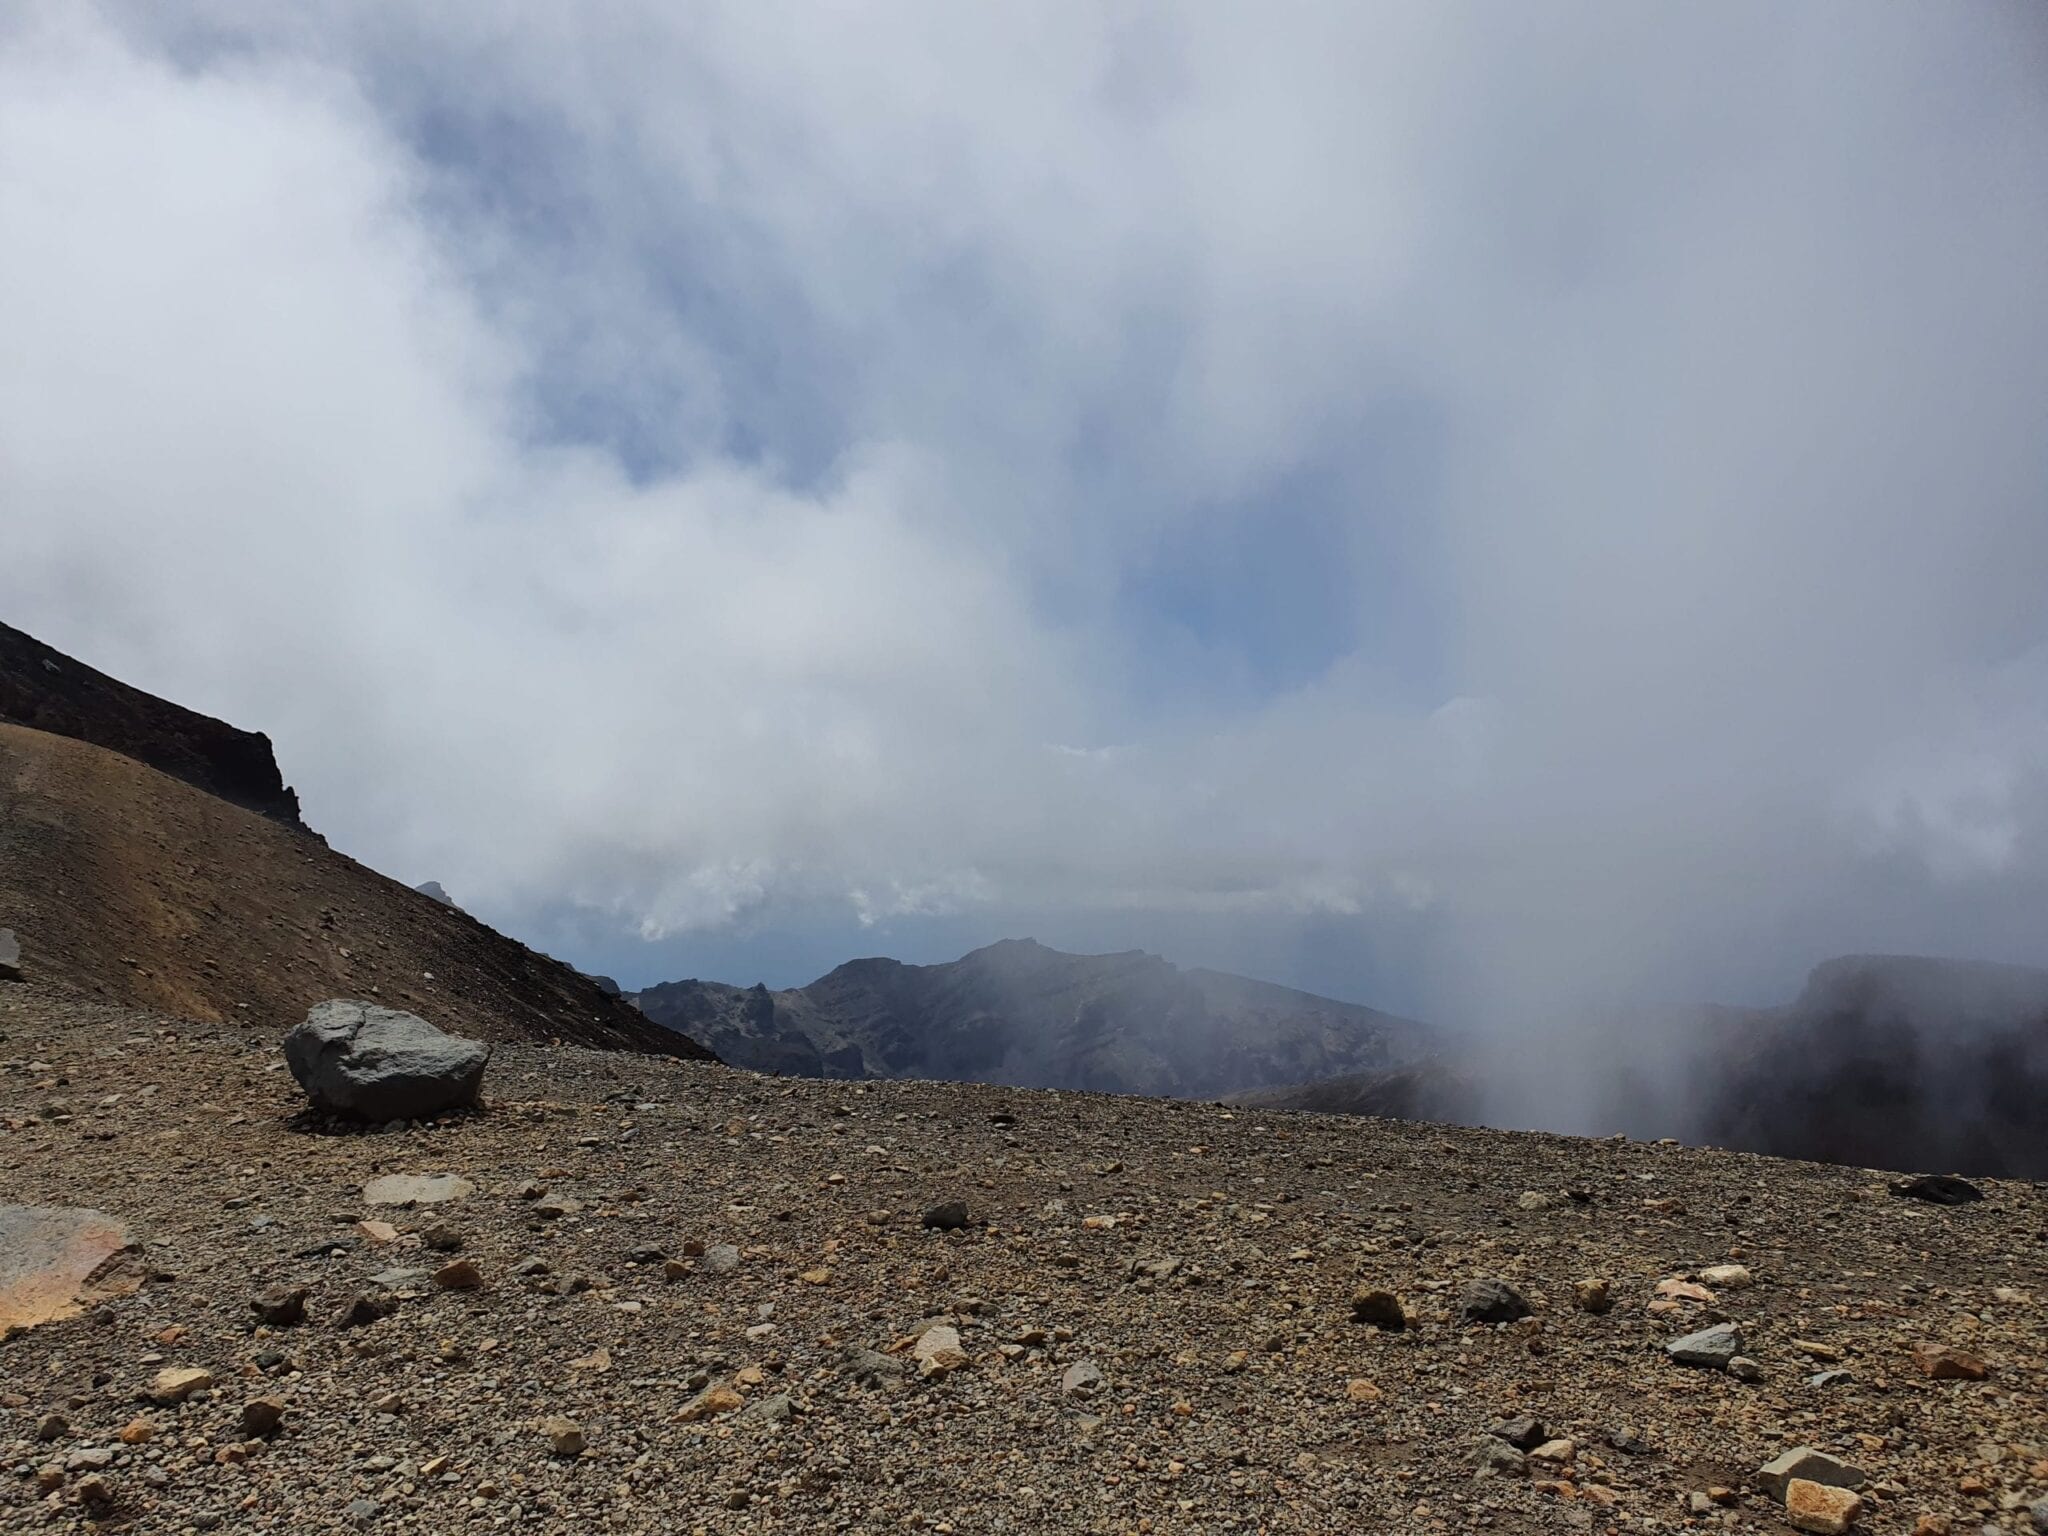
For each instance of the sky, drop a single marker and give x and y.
(1499, 512)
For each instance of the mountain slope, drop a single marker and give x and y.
(1017, 1012)
(48, 691)
(1895, 1061)
(133, 885)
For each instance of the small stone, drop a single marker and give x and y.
(1944, 1362)
(947, 1216)
(1491, 1301)
(281, 1306)
(1492, 1458)
(460, 1275)
(363, 1511)
(52, 1426)
(1080, 1379)
(1380, 1308)
(1729, 1277)
(1742, 1368)
(938, 1350)
(720, 1259)
(442, 1238)
(674, 1269)
(1711, 1348)
(175, 1384)
(378, 1231)
(1359, 1390)
(138, 1431)
(95, 1490)
(1534, 1200)
(261, 1417)
(49, 1478)
(716, 1399)
(1812, 1506)
(1679, 1289)
(819, 1276)
(1594, 1296)
(1810, 1465)
(1522, 1431)
(565, 1436)
(361, 1311)
(1559, 1451)
(778, 1409)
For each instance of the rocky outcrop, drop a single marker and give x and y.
(48, 691)
(10, 956)
(371, 1063)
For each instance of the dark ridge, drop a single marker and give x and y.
(46, 690)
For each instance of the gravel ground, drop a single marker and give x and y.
(708, 1301)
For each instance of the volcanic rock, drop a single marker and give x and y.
(373, 1063)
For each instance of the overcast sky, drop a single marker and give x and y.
(1486, 509)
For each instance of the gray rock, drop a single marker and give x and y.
(1742, 1368)
(1080, 1377)
(2038, 1513)
(432, 888)
(1524, 1432)
(1829, 1378)
(1491, 1301)
(1711, 1348)
(947, 1216)
(1495, 1458)
(721, 1259)
(1815, 1466)
(872, 1368)
(378, 1064)
(10, 956)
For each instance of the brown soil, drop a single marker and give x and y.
(129, 884)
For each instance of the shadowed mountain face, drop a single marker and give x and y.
(48, 691)
(1894, 1061)
(1020, 1013)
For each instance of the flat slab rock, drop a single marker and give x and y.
(415, 1189)
(55, 1261)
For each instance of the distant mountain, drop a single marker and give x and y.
(46, 690)
(1894, 1061)
(1019, 1013)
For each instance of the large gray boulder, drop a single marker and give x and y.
(373, 1063)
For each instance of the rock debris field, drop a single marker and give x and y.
(637, 1294)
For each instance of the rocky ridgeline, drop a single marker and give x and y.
(638, 1294)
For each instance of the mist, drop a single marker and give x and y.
(1524, 520)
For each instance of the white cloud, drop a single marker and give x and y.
(925, 328)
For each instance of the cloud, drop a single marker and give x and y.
(1576, 476)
